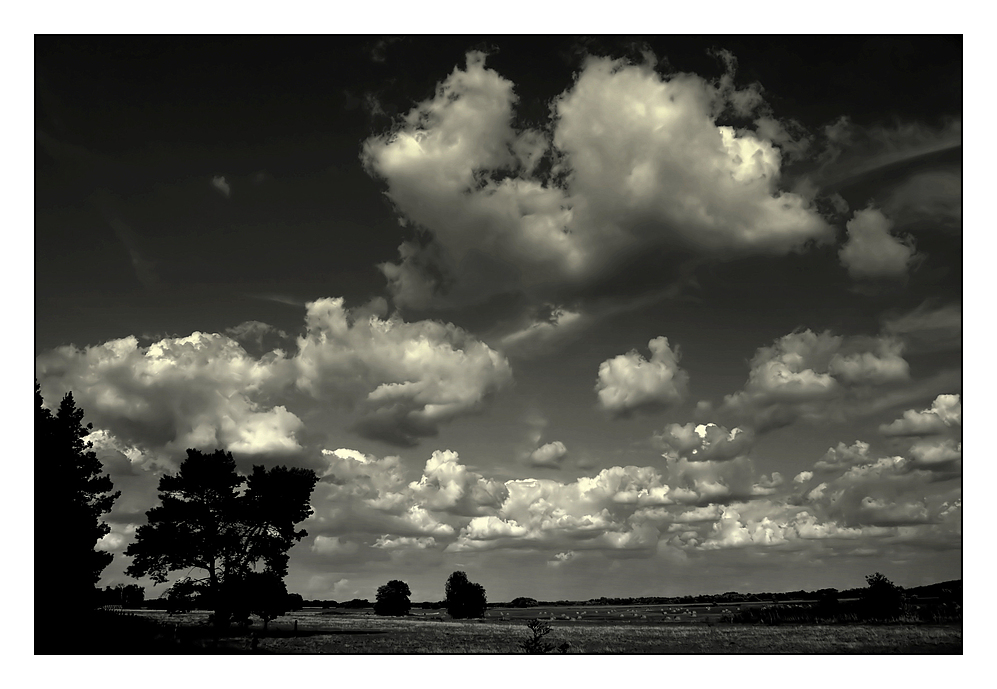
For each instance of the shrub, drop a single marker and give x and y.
(536, 644)
(883, 600)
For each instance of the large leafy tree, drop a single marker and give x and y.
(465, 599)
(224, 524)
(393, 599)
(71, 495)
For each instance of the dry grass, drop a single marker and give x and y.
(360, 634)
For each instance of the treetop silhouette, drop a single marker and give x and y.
(213, 519)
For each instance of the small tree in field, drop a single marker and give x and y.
(393, 599)
(465, 599)
(266, 595)
(536, 644)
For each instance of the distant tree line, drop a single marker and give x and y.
(881, 601)
(123, 595)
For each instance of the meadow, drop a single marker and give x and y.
(587, 630)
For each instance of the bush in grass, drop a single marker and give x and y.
(883, 600)
(537, 644)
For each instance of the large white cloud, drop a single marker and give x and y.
(407, 378)
(871, 251)
(639, 161)
(201, 391)
(206, 391)
(629, 381)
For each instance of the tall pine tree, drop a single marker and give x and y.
(71, 494)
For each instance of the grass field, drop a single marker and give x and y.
(598, 631)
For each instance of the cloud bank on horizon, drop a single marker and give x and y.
(633, 164)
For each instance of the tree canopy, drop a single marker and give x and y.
(71, 494)
(213, 519)
(393, 599)
(465, 599)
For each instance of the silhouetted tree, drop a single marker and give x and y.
(207, 521)
(71, 494)
(465, 599)
(883, 600)
(393, 599)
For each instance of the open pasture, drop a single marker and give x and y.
(600, 630)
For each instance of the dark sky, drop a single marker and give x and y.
(786, 211)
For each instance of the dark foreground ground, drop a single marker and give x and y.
(599, 630)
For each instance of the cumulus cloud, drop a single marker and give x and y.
(945, 412)
(812, 376)
(880, 362)
(206, 390)
(843, 456)
(883, 491)
(449, 486)
(629, 381)
(630, 510)
(405, 542)
(936, 454)
(638, 161)
(326, 545)
(703, 442)
(407, 378)
(549, 455)
(202, 391)
(871, 252)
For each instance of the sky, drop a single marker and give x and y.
(579, 316)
